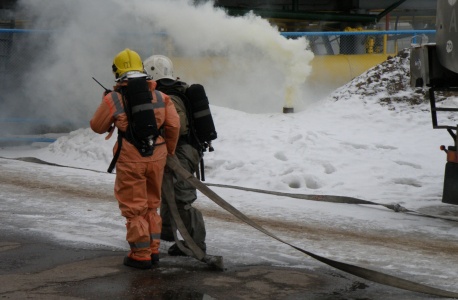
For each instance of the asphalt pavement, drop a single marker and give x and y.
(36, 266)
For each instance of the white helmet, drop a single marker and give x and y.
(159, 67)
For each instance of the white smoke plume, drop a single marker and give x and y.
(243, 62)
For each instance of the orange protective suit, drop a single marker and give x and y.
(139, 179)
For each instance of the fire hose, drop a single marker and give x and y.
(335, 199)
(361, 272)
(177, 223)
(215, 261)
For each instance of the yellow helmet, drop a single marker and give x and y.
(127, 64)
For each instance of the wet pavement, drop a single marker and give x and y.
(33, 266)
(45, 215)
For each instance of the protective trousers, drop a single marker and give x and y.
(138, 190)
(185, 195)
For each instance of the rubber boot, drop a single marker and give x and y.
(139, 264)
(155, 258)
(175, 251)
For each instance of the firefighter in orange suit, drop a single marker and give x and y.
(138, 177)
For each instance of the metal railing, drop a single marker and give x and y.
(359, 42)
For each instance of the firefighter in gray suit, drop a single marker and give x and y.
(160, 68)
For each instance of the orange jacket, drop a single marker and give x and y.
(111, 110)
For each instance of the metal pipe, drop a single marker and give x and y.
(321, 33)
(13, 139)
(295, 5)
(288, 110)
(389, 9)
(18, 120)
(57, 31)
(27, 31)
(385, 41)
(387, 22)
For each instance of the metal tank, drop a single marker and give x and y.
(447, 34)
(435, 66)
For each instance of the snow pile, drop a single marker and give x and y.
(85, 146)
(388, 83)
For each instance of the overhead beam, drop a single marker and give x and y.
(7, 4)
(295, 14)
(299, 15)
(389, 9)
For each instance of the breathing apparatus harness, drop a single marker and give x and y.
(200, 121)
(142, 131)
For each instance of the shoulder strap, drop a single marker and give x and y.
(117, 103)
(116, 156)
(160, 102)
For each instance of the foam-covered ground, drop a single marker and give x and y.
(371, 139)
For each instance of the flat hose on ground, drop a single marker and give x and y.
(177, 223)
(321, 198)
(333, 199)
(364, 273)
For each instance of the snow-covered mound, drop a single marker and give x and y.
(388, 83)
(84, 148)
